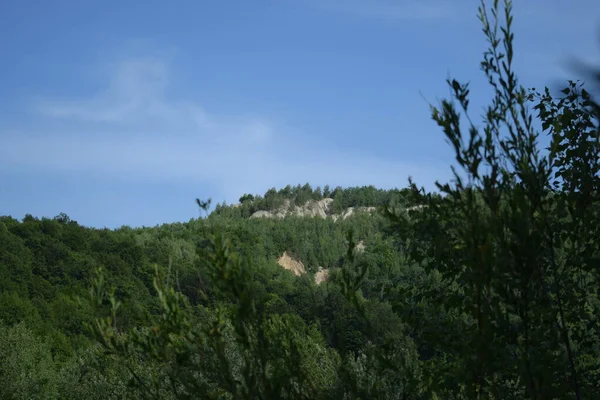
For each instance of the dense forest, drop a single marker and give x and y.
(487, 288)
(48, 265)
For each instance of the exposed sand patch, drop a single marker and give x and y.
(290, 264)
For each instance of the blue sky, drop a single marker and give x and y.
(123, 112)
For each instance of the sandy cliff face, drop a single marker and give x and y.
(297, 268)
(290, 264)
(322, 275)
(312, 208)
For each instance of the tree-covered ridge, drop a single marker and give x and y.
(299, 195)
(47, 266)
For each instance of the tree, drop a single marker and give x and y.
(246, 197)
(28, 371)
(63, 218)
(512, 237)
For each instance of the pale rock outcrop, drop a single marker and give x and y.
(320, 208)
(322, 275)
(290, 264)
(297, 268)
(312, 208)
(351, 210)
(262, 214)
(360, 247)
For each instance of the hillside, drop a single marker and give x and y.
(48, 264)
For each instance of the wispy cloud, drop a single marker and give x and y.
(133, 131)
(134, 90)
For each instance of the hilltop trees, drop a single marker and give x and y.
(246, 197)
(299, 195)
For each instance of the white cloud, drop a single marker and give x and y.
(131, 131)
(134, 90)
(135, 95)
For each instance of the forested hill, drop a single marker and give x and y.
(48, 264)
(304, 200)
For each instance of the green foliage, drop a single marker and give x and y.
(246, 197)
(512, 236)
(487, 289)
(243, 351)
(27, 370)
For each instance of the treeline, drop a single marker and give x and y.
(47, 266)
(343, 198)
